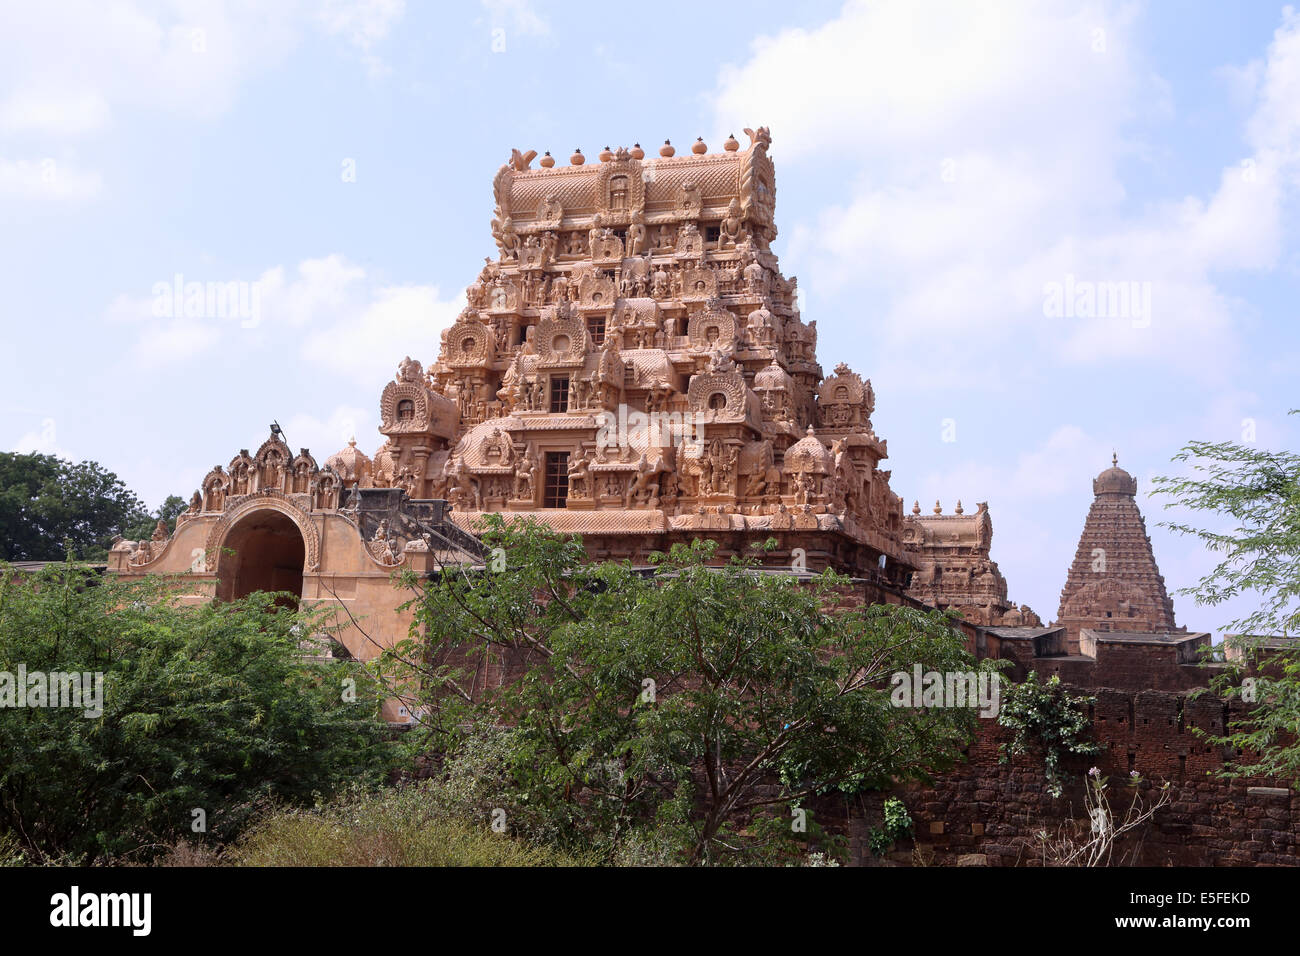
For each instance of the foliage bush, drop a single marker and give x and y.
(397, 826)
(1048, 719)
(897, 826)
(210, 707)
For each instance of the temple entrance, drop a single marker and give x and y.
(269, 554)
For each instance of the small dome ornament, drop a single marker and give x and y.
(351, 463)
(698, 147)
(732, 144)
(547, 159)
(1114, 480)
(938, 508)
(960, 510)
(916, 507)
(606, 155)
(577, 159)
(637, 151)
(667, 150)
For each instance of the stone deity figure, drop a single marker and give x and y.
(643, 488)
(524, 477)
(731, 229)
(579, 474)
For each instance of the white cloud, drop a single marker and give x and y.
(399, 320)
(322, 290)
(73, 66)
(325, 436)
(980, 149)
(81, 111)
(330, 311)
(363, 24)
(42, 441)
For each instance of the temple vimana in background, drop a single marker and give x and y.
(633, 366)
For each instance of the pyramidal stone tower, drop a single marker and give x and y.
(1114, 583)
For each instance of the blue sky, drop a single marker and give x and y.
(939, 167)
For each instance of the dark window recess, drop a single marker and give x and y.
(405, 410)
(596, 329)
(556, 488)
(712, 233)
(559, 393)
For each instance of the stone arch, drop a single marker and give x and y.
(218, 539)
(261, 548)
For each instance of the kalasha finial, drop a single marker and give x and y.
(938, 508)
(699, 147)
(1114, 460)
(916, 507)
(637, 151)
(577, 159)
(547, 159)
(666, 150)
(959, 508)
(732, 144)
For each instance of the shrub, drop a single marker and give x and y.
(211, 707)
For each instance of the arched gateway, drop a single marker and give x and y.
(264, 550)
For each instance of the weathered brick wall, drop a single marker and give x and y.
(985, 812)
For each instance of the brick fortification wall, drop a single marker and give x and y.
(984, 812)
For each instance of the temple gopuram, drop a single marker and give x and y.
(633, 367)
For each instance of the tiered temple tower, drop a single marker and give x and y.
(1114, 583)
(632, 366)
(955, 570)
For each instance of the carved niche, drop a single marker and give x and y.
(718, 396)
(273, 460)
(688, 203)
(300, 472)
(620, 191)
(690, 244)
(550, 212)
(712, 328)
(699, 284)
(216, 485)
(607, 247)
(243, 474)
(844, 399)
(469, 344)
(561, 340)
(595, 290)
(503, 295)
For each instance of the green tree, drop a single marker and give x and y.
(1254, 497)
(702, 700)
(46, 501)
(214, 707)
(167, 512)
